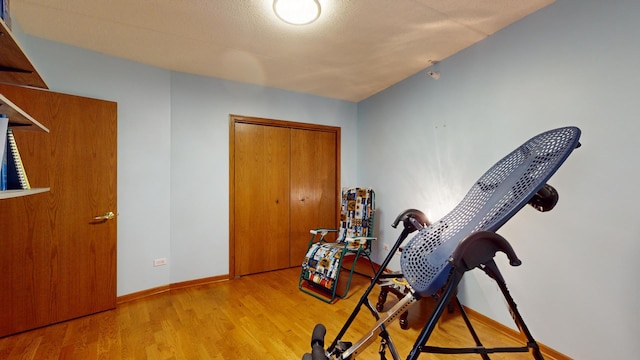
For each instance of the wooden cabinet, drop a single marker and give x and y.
(284, 182)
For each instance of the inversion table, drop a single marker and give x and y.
(435, 259)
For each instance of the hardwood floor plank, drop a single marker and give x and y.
(262, 316)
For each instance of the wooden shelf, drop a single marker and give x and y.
(19, 119)
(15, 66)
(7, 194)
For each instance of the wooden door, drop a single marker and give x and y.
(313, 187)
(57, 262)
(284, 180)
(261, 198)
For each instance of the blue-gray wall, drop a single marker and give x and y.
(420, 143)
(173, 154)
(423, 143)
(200, 160)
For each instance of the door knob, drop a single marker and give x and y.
(107, 216)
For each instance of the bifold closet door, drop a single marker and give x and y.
(284, 182)
(314, 189)
(261, 213)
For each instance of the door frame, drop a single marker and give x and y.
(233, 119)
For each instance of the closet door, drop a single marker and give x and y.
(314, 188)
(261, 198)
(283, 183)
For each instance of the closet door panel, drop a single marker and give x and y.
(261, 198)
(314, 188)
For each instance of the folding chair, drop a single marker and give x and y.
(324, 260)
(438, 256)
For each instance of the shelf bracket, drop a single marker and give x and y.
(12, 69)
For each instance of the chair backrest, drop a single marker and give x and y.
(501, 192)
(357, 211)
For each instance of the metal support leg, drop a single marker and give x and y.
(491, 269)
(450, 288)
(470, 326)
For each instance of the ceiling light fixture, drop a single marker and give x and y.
(297, 12)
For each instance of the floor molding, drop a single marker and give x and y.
(550, 354)
(165, 288)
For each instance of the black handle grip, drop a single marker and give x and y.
(317, 344)
(406, 217)
(480, 247)
(317, 337)
(317, 353)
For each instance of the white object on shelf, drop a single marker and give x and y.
(4, 122)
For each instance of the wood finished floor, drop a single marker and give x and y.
(261, 316)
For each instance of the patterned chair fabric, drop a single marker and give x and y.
(321, 265)
(323, 260)
(356, 218)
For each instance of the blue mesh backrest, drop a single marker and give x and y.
(503, 190)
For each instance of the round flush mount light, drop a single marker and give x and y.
(297, 12)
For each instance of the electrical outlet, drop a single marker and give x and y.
(160, 262)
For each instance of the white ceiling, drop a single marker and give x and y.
(356, 49)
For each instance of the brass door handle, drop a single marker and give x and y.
(108, 216)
